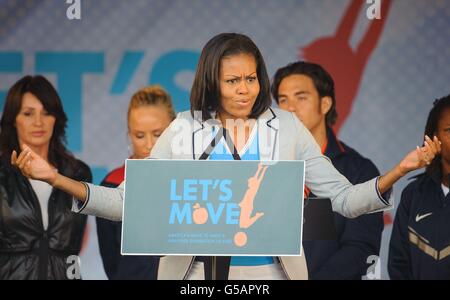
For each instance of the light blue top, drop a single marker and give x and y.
(222, 152)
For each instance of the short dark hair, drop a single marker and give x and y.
(205, 92)
(42, 89)
(431, 128)
(323, 82)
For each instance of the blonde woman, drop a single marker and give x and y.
(149, 113)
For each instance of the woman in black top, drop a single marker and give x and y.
(40, 237)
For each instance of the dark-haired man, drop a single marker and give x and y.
(307, 90)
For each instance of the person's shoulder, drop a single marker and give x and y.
(184, 115)
(82, 165)
(115, 177)
(353, 154)
(280, 113)
(286, 119)
(419, 189)
(415, 192)
(417, 183)
(352, 164)
(82, 169)
(182, 119)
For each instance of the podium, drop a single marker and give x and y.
(213, 209)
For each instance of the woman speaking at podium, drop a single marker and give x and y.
(231, 92)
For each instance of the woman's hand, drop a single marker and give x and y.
(416, 159)
(33, 166)
(420, 157)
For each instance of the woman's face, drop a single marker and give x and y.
(239, 86)
(145, 125)
(443, 134)
(34, 124)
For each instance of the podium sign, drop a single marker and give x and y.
(183, 207)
